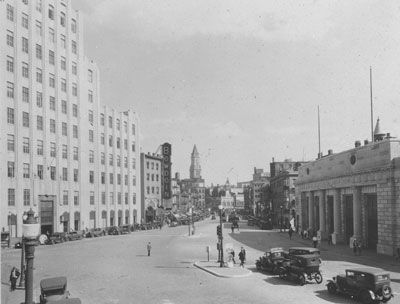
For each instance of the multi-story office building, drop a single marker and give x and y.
(68, 158)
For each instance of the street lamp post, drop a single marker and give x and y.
(221, 237)
(31, 231)
(281, 217)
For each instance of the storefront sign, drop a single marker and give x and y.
(166, 181)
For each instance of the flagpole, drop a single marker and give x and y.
(372, 110)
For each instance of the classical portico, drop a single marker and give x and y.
(352, 195)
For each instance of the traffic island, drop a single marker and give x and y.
(223, 272)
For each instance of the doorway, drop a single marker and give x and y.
(348, 217)
(372, 220)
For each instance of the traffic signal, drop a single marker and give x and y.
(219, 230)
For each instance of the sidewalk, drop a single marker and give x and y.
(214, 268)
(368, 257)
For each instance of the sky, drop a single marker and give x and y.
(243, 80)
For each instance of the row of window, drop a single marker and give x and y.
(39, 75)
(152, 177)
(118, 123)
(157, 190)
(65, 198)
(64, 152)
(51, 14)
(39, 53)
(26, 172)
(152, 165)
(39, 98)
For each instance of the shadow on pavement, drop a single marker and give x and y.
(279, 281)
(337, 299)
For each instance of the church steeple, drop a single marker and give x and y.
(195, 168)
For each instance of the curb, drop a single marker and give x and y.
(248, 272)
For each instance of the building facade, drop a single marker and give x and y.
(70, 159)
(354, 195)
(282, 193)
(151, 173)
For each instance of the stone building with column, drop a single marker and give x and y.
(354, 194)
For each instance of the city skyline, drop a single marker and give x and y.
(243, 82)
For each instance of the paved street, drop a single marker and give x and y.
(116, 269)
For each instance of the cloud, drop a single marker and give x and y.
(227, 130)
(160, 21)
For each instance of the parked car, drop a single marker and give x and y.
(53, 289)
(74, 235)
(56, 238)
(302, 268)
(272, 260)
(370, 285)
(95, 232)
(114, 230)
(213, 217)
(125, 229)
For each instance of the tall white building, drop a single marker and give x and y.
(70, 159)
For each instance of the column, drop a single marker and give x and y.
(337, 235)
(322, 202)
(356, 215)
(311, 218)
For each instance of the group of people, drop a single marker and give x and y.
(242, 256)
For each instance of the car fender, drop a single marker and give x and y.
(329, 282)
(371, 293)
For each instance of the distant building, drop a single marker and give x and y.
(69, 158)
(194, 187)
(354, 194)
(151, 173)
(282, 188)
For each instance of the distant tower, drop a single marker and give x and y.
(195, 168)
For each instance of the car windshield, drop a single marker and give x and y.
(382, 277)
(54, 292)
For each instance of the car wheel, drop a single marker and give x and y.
(302, 279)
(365, 297)
(386, 292)
(332, 289)
(318, 278)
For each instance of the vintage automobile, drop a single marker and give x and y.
(302, 268)
(370, 285)
(56, 238)
(125, 229)
(74, 235)
(95, 232)
(213, 217)
(114, 230)
(272, 260)
(53, 290)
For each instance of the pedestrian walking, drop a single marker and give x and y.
(355, 247)
(232, 228)
(315, 241)
(290, 232)
(330, 239)
(242, 257)
(148, 248)
(233, 256)
(397, 254)
(14, 275)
